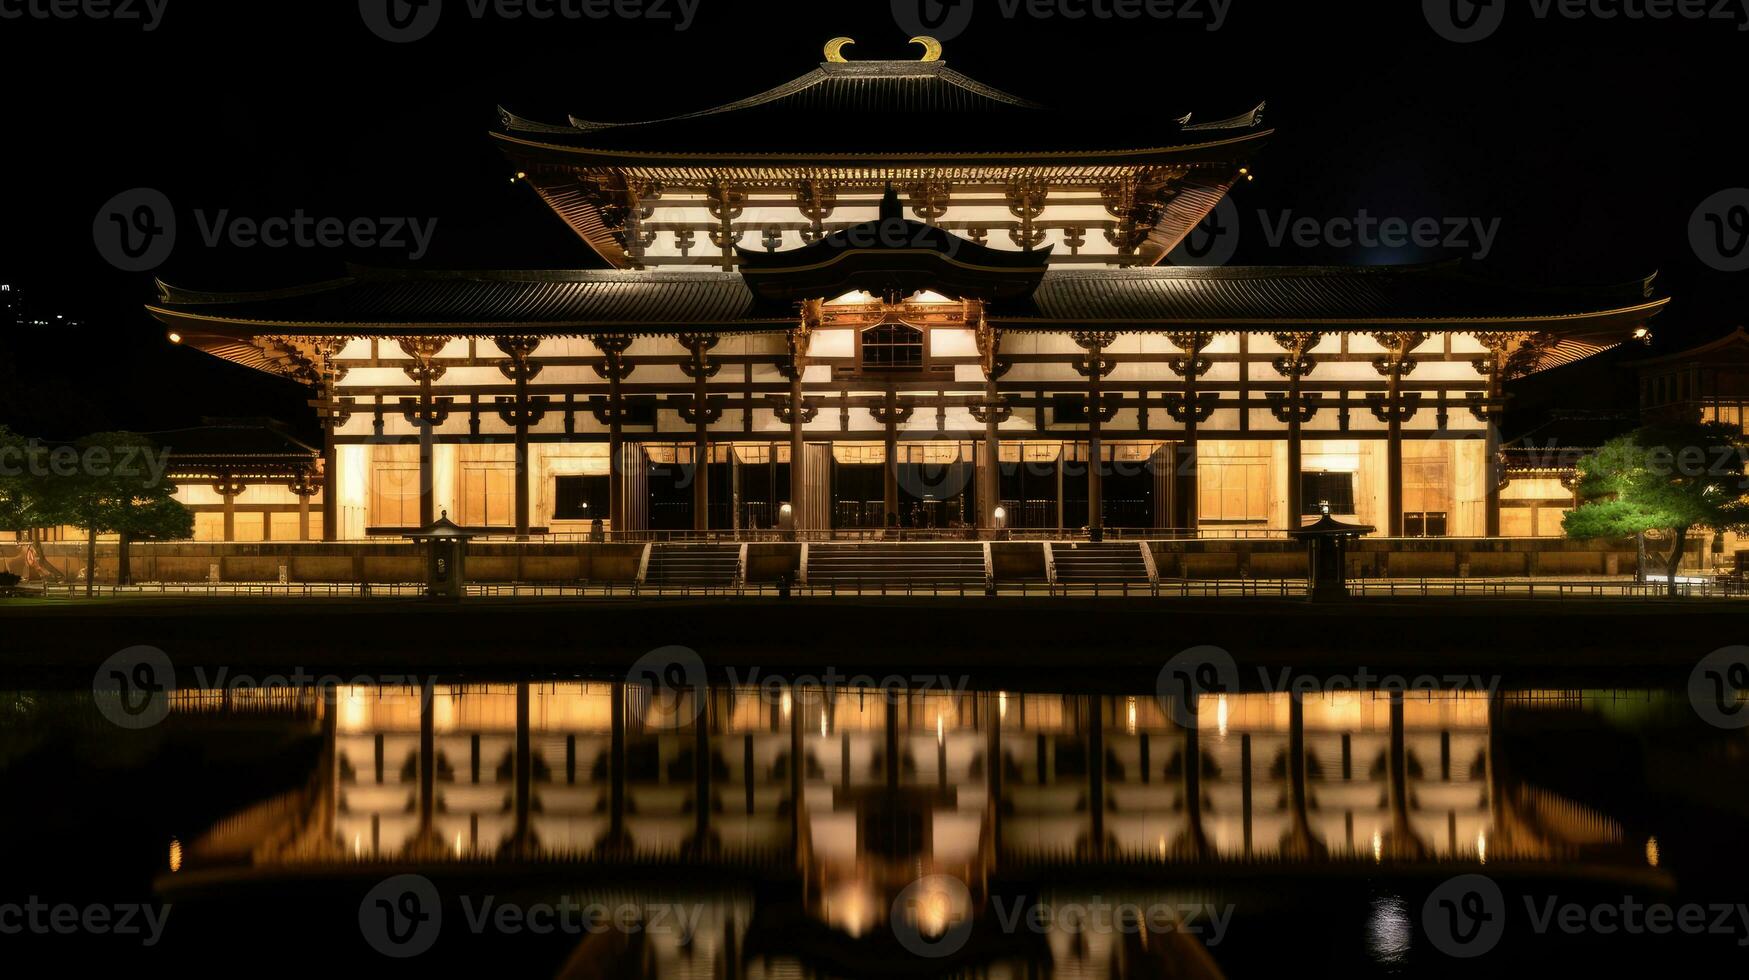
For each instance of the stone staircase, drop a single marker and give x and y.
(1109, 563)
(894, 564)
(693, 564)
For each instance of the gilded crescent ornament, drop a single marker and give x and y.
(931, 48)
(835, 49)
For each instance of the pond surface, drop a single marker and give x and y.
(554, 828)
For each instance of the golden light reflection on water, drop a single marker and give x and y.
(889, 795)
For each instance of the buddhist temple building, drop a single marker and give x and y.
(947, 307)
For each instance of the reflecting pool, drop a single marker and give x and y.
(588, 828)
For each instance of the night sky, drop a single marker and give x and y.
(1592, 142)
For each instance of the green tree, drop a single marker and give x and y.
(119, 489)
(30, 500)
(1669, 479)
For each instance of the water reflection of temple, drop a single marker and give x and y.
(606, 776)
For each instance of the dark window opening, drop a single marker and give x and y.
(579, 498)
(1425, 525)
(1068, 409)
(1336, 489)
(892, 347)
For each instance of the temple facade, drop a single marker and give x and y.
(888, 295)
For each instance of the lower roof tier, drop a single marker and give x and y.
(1438, 297)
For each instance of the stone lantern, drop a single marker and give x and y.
(446, 553)
(1327, 542)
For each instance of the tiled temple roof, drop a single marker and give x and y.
(881, 107)
(1440, 296)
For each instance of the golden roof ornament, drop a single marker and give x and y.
(835, 49)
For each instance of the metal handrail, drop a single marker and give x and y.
(1166, 588)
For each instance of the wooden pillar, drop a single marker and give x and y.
(800, 336)
(1394, 365)
(990, 476)
(701, 769)
(328, 412)
(892, 749)
(993, 768)
(427, 760)
(1394, 455)
(1499, 351)
(426, 371)
(890, 481)
(616, 766)
(520, 415)
(229, 488)
(1185, 463)
(1403, 838)
(427, 461)
(797, 450)
(992, 413)
(1296, 366)
(1095, 454)
(1188, 412)
(701, 370)
(521, 450)
(795, 767)
(1095, 714)
(614, 369)
(1062, 465)
(521, 836)
(1245, 786)
(1094, 368)
(1195, 839)
(701, 478)
(616, 477)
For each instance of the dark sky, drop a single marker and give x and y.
(1591, 142)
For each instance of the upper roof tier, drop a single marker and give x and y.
(803, 158)
(886, 110)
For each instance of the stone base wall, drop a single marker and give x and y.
(389, 563)
(1404, 558)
